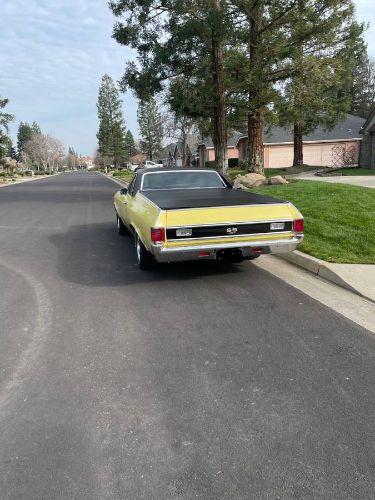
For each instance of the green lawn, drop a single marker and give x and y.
(339, 219)
(354, 171)
(271, 172)
(124, 175)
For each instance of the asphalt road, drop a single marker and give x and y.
(188, 381)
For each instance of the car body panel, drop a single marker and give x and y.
(140, 214)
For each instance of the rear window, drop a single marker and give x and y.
(182, 180)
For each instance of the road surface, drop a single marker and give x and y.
(188, 381)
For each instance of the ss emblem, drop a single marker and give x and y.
(231, 230)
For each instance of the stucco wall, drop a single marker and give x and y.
(281, 155)
(319, 154)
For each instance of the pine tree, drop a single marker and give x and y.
(272, 34)
(5, 141)
(130, 144)
(151, 127)
(36, 128)
(72, 159)
(24, 134)
(111, 134)
(180, 45)
(317, 93)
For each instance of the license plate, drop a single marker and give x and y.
(184, 232)
(277, 226)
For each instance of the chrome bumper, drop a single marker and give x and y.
(178, 254)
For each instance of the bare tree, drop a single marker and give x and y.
(45, 152)
(182, 129)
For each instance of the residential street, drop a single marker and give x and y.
(191, 380)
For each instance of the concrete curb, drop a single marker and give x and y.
(21, 181)
(120, 183)
(322, 269)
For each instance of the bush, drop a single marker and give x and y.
(122, 173)
(233, 162)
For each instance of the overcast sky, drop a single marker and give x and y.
(53, 55)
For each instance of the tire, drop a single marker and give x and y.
(121, 228)
(144, 259)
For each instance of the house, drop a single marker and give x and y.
(137, 159)
(172, 155)
(367, 155)
(321, 148)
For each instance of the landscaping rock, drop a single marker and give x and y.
(250, 180)
(277, 179)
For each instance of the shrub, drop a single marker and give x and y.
(233, 162)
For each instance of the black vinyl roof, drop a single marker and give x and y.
(173, 199)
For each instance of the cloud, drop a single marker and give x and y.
(52, 56)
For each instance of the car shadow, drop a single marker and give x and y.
(95, 255)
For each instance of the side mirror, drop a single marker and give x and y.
(124, 191)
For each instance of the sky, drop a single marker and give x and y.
(53, 55)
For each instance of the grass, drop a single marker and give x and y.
(125, 175)
(271, 172)
(339, 219)
(354, 171)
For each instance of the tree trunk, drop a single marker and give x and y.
(255, 156)
(298, 144)
(255, 143)
(219, 109)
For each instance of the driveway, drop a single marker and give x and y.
(188, 381)
(354, 180)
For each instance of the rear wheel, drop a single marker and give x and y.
(144, 258)
(121, 228)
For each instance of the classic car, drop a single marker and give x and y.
(195, 214)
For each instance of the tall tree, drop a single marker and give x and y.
(36, 128)
(5, 141)
(130, 143)
(317, 93)
(24, 134)
(151, 127)
(180, 44)
(111, 134)
(272, 33)
(72, 159)
(362, 92)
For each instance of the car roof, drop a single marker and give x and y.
(174, 169)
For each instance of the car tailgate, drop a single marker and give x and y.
(237, 222)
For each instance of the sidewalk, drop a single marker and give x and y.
(27, 179)
(359, 278)
(355, 180)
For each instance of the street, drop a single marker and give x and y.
(192, 380)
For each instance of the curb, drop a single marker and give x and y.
(22, 181)
(320, 268)
(120, 183)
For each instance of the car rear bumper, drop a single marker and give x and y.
(249, 249)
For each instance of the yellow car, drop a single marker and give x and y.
(196, 214)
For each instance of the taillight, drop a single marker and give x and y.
(298, 226)
(157, 235)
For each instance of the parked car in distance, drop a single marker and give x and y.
(149, 164)
(196, 214)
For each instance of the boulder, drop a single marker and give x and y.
(277, 179)
(250, 180)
